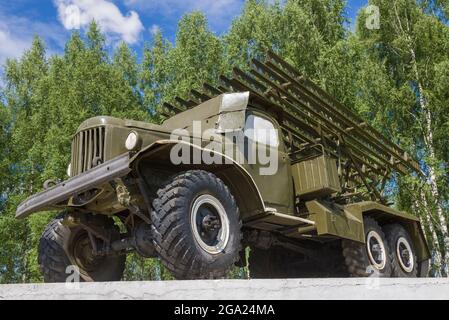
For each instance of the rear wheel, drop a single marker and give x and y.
(61, 247)
(403, 253)
(196, 226)
(371, 258)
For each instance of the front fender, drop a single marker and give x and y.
(234, 175)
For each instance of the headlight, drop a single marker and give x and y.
(69, 170)
(133, 141)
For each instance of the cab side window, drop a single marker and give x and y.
(261, 130)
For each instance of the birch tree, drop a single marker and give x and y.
(413, 44)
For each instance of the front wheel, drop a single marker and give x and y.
(64, 251)
(196, 226)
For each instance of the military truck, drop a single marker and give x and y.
(315, 209)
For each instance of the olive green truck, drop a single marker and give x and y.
(266, 160)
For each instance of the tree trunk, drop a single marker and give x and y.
(426, 219)
(405, 30)
(428, 139)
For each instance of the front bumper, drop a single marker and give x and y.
(48, 199)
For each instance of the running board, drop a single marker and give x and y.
(273, 220)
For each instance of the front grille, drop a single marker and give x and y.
(87, 149)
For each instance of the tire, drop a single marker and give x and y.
(424, 269)
(57, 251)
(186, 235)
(399, 240)
(360, 258)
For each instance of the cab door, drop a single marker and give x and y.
(267, 161)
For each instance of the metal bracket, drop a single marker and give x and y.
(80, 220)
(124, 198)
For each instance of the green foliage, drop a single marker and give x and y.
(14, 247)
(412, 44)
(379, 73)
(300, 31)
(48, 99)
(138, 269)
(155, 74)
(196, 57)
(5, 121)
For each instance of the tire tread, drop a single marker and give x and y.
(170, 240)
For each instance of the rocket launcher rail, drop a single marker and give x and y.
(309, 116)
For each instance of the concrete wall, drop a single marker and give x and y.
(327, 289)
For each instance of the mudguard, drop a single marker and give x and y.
(237, 178)
(347, 222)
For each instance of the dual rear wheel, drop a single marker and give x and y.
(388, 251)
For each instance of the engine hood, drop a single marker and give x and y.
(106, 120)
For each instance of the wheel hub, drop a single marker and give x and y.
(376, 250)
(211, 222)
(404, 254)
(83, 253)
(210, 225)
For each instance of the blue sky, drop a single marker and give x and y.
(132, 21)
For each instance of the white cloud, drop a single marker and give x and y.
(218, 12)
(11, 46)
(154, 29)
(75, 14)
(16, 36)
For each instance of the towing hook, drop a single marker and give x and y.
(49, 183)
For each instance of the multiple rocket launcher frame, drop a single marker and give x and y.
(313, 121)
